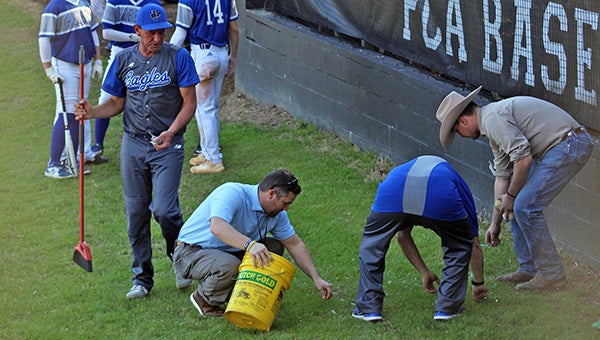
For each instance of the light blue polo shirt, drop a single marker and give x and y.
(237, 204)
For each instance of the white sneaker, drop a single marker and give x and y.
(137, 292)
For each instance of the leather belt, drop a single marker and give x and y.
(183, 244)
(574, 131)
(144, 136)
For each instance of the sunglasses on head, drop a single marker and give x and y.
(291, 184)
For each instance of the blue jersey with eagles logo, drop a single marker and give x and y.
(151, 86)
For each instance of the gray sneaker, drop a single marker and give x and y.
(137, 292)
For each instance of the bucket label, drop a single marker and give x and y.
(259, 278)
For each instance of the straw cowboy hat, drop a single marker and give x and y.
(449, 111)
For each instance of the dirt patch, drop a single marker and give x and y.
(236, 107)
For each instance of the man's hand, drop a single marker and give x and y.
(83, 110)
(428, 279)
(505, 205)
(480, 292)
(53, 75)
(97, 69)
(261, 257)
(162, 141)
(230, 68)
(324, 288)
(492, 235)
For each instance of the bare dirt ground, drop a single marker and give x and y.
(235, 107)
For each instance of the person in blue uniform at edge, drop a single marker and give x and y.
(153, 84)
(424, 191)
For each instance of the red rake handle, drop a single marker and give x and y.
(81, 146)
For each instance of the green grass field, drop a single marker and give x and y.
(43, 294)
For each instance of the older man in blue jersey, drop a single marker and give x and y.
(152, 83)
(425, 191)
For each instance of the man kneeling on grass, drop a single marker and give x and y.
(234, 219)
(425, 191)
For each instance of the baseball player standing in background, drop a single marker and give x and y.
(64, 27)
(212, 27)
(97, 7)
(117, 27)
(152, 83)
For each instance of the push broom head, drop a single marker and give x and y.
(83, 256)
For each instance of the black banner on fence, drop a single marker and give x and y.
(547, 49)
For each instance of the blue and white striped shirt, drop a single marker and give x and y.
(68, 24)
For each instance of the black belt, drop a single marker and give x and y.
(183, 244)
(144, 136)
(147, 136)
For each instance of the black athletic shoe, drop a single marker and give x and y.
(198, 150)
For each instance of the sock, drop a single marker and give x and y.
(100, 127)
(57, 141)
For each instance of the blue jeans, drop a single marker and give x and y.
(533, 244)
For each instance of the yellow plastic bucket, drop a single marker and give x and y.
(258, 292)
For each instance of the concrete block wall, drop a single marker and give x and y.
(388, 106)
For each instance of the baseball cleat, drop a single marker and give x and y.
(207, 168)
(58, 171)
(198, 159)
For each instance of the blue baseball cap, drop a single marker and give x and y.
(152, 17)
